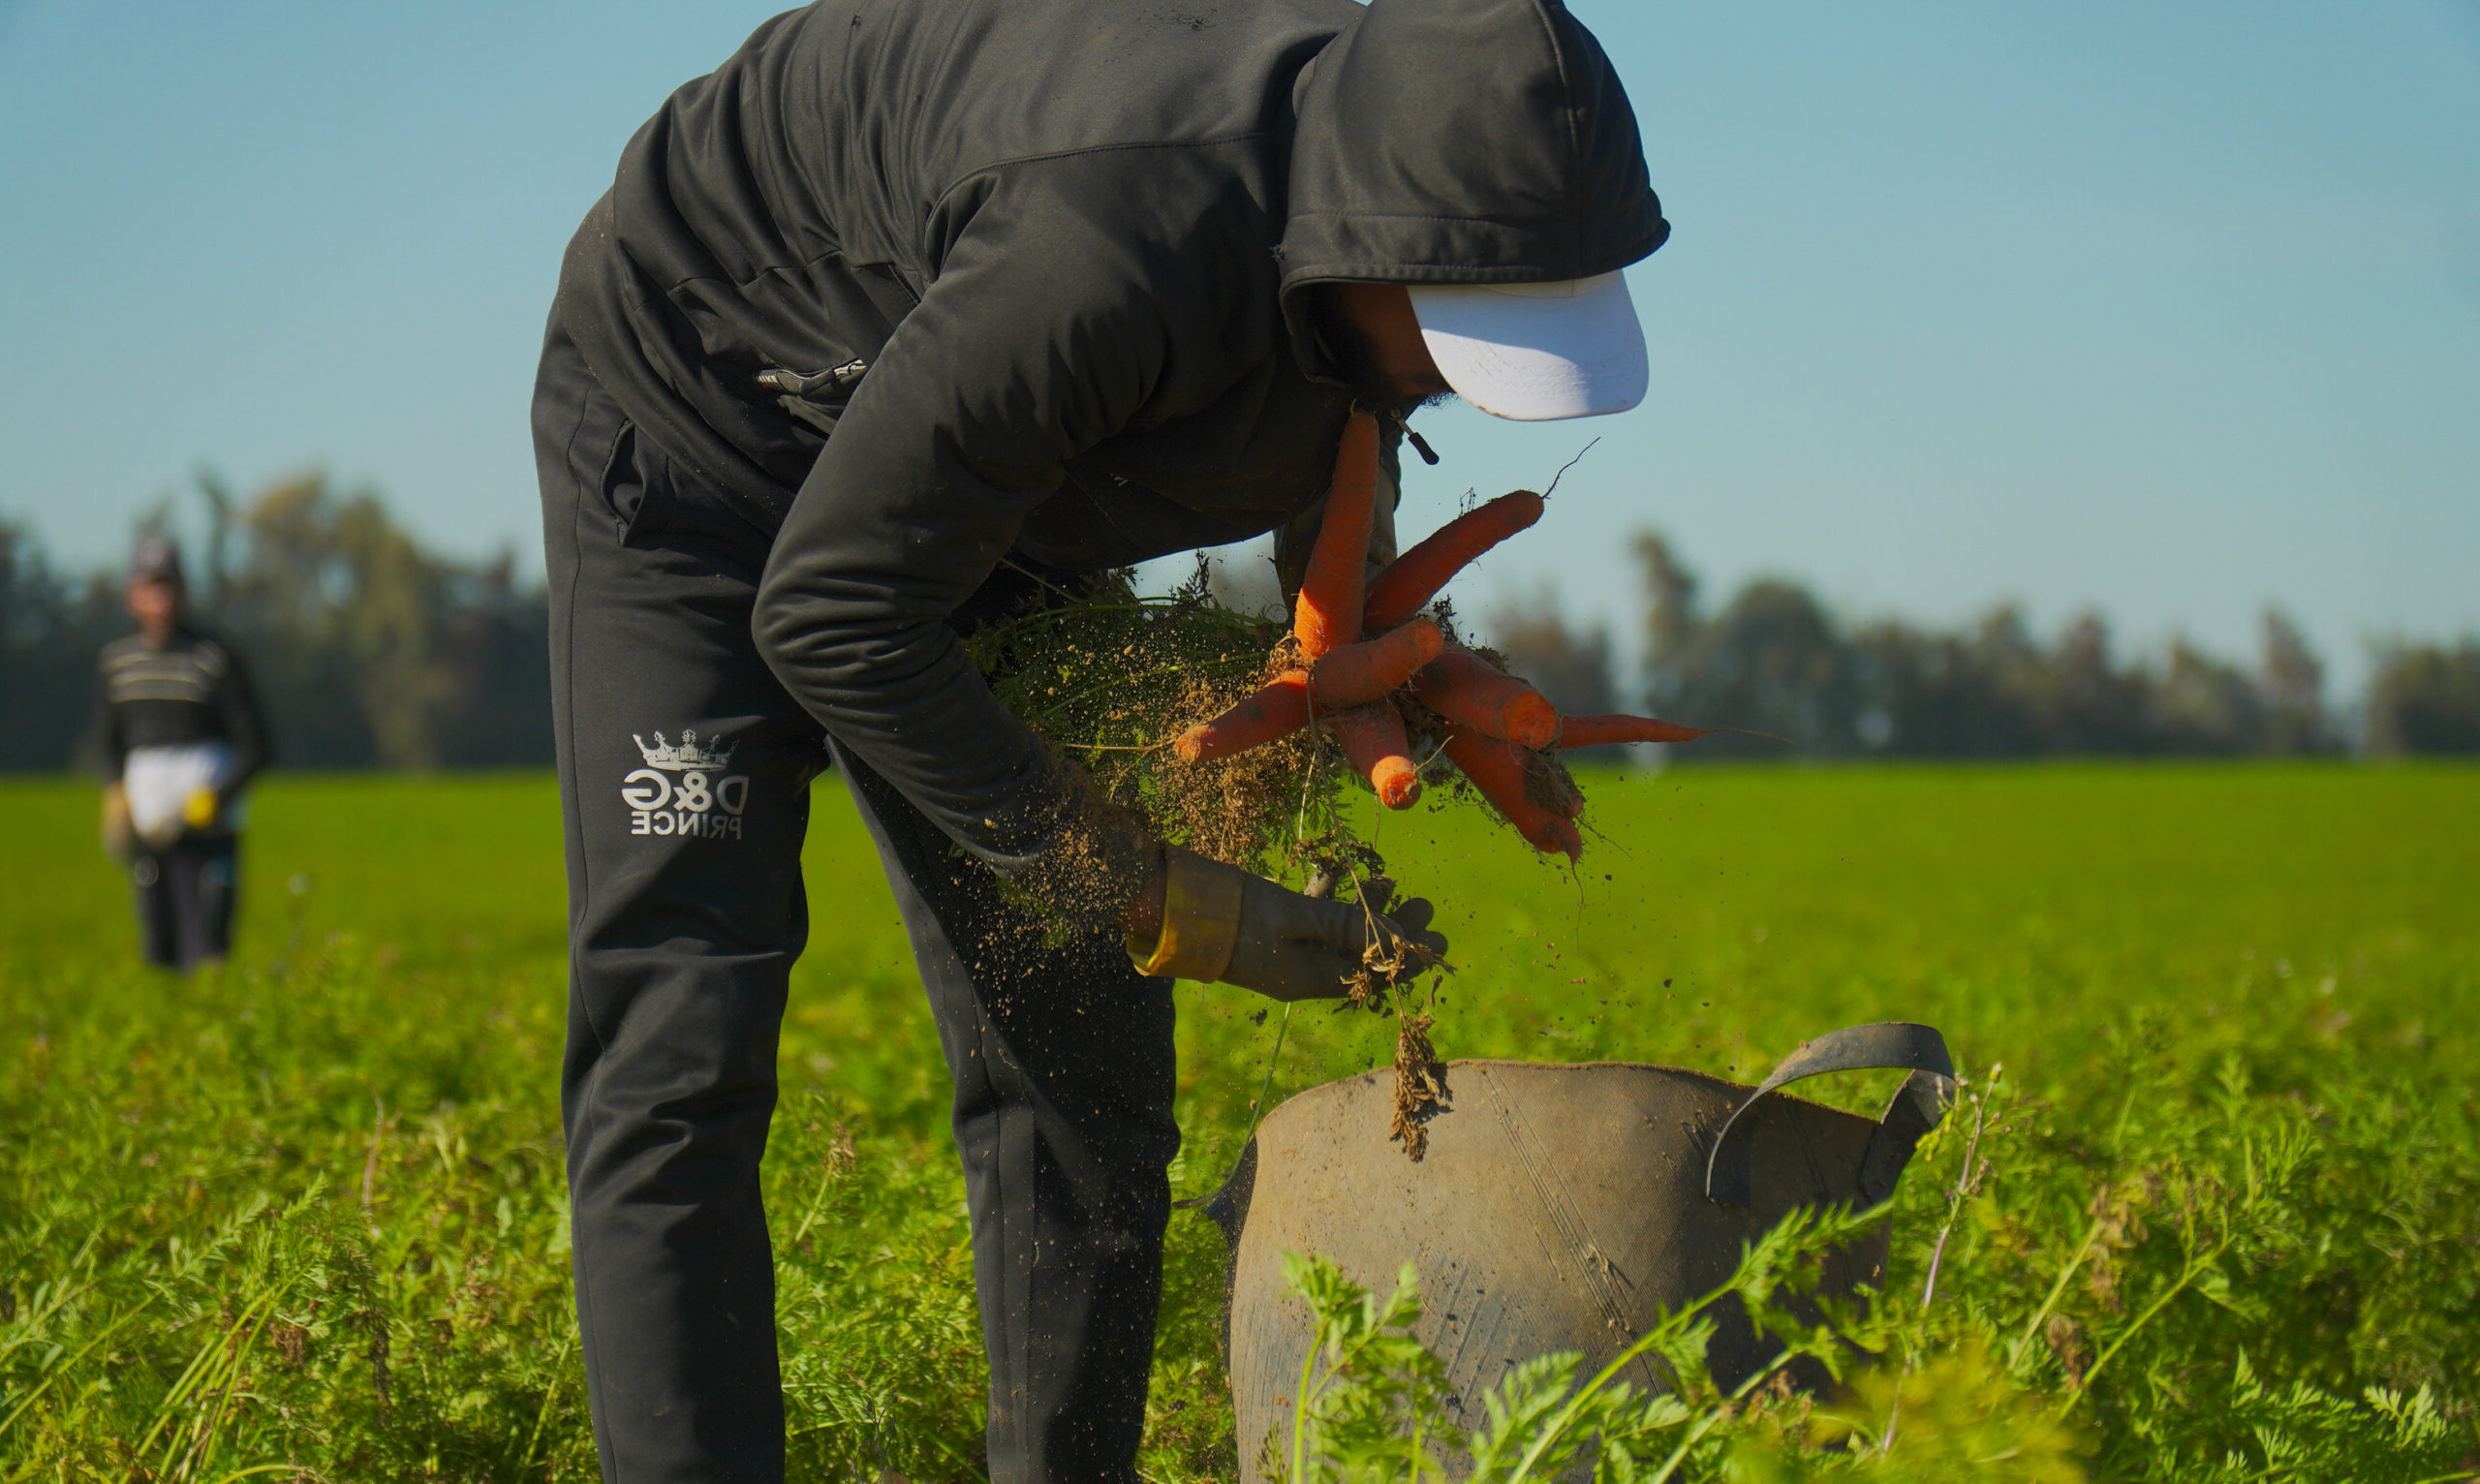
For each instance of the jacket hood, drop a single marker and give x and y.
(1462, 142)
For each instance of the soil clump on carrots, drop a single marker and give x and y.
(1107, 678)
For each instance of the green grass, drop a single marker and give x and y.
(307, 1215)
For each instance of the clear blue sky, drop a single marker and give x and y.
(2171, 310)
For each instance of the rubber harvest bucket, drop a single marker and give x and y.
(1559, 1207)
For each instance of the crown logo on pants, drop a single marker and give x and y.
(687, 754)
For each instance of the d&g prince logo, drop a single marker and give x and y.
(683, 790)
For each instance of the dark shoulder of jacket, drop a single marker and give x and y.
(209, 654)
(1188, 225)
(1114, 81)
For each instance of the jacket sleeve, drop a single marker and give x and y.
(112, 748)
(236, 706)
(1049, 326)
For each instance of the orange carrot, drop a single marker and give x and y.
(1373, 738)
(1279, 709)
(1603, 730)
(1476, 695)
(1414, 578)
(1498, 768)
(1357, 673)
(1328, 614)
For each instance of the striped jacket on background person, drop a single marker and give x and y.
(175, 719)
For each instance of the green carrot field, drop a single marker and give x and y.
(2211, 1205)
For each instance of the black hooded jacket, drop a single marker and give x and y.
(919, 283)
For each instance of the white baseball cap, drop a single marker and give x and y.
(1534, 351)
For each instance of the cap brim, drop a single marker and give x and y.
(1537, 352)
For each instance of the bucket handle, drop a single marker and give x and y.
(1915, 1109)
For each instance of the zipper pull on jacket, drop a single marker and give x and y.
(800, 384)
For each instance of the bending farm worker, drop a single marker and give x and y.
(910, 313)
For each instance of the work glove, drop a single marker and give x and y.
(199, 808)
(1221, 923)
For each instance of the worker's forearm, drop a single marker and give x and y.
(963, 426)
(904, 700)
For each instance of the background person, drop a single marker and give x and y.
(180, 738)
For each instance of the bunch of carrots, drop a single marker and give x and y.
(1365, 654)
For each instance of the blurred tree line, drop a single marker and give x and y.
(1775, 661)
(368, 651)
(365, 649)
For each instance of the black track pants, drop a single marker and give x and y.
(686, 912)
(185, 895)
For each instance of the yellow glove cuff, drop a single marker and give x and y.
(1200, 919)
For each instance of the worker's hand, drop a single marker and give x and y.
(199, 808)
(1221, 923)
(120, 843)
(1291, 946)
